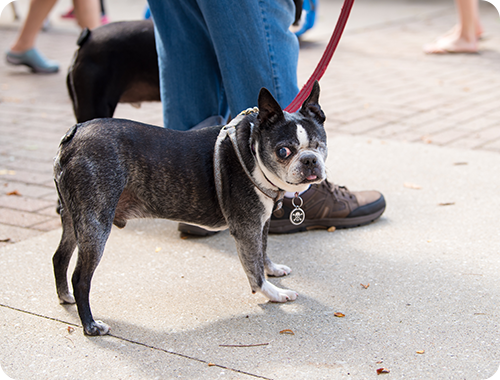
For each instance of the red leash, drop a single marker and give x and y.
(325, 59)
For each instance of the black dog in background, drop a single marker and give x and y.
(117, 63)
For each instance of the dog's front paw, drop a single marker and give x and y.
(96, 328)
(276, 294)
(277, 270)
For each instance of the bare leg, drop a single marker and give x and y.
(38, 12)
(88, 13)
(463, 37)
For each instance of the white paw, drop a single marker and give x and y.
(96, 328)
(276, 294)
(66, 298)
(277, 270)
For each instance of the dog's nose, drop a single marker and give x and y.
(309, 160)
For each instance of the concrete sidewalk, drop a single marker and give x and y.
(432, 271)
(424, 130)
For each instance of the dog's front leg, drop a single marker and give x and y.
(272, 269)
(249, 246)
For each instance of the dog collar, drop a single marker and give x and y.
(230, 130)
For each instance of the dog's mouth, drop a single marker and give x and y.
(309, 179)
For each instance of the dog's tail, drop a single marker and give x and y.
(84, 36)
(57, 165)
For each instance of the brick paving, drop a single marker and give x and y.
(379, 85)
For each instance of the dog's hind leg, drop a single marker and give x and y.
(90, 250)
(61, 258)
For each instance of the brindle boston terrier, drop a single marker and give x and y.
(110, 170)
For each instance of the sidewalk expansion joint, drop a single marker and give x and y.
(137, 343)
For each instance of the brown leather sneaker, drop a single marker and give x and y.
(326, 205)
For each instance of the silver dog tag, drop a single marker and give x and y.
(297, 216)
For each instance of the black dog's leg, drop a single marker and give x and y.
(92, 236)
(61, 258)
(89, 256)
(272, 269)
(249, 246)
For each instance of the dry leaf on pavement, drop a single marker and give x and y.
(382, 370)
(413, 186)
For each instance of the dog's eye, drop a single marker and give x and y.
(284, 152)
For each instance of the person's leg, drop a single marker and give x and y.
(213, 51)
(37, 13)
(468, 12)
(254, 49)
(464, 36)
(190, 80)
(23, 51)
(219, 49)
(88, 13)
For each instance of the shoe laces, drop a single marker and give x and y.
(339, 192)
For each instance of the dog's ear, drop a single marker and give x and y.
(270, 111)
(311, 106)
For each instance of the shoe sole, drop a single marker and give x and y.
(285, 227)
(187, 230)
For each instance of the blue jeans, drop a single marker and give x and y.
(215, 55)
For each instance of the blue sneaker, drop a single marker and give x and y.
(34, 60)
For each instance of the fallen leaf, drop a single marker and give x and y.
(287, 331)
(14, 192)
(331, 229)
(420, 351)
(410, 185)
(339, 315)
(446, 204)
(365, 286)
(382, 370)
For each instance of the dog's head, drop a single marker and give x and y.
(291, 148)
